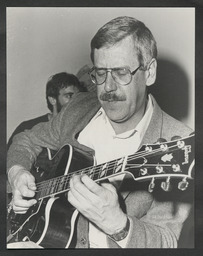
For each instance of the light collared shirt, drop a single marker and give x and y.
(100, 136)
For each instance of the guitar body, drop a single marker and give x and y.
(50, 223)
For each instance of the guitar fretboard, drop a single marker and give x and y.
(61, 184)
(173, 158)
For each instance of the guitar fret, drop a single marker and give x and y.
(96, 173)
(53, 186)
(66, 184)
(43, 192)
(61, 183)
(57, 184)
(49, 188)
(110, 169)
(46, 189)
(118, 165)
(91, 173)
(103, 171)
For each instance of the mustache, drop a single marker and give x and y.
(112, 97)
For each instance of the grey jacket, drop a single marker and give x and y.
(157, 217)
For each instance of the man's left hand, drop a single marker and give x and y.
(98, 203)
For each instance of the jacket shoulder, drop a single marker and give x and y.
(175, 127)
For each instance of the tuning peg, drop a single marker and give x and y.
(143, 171)
(151, 185)
(180, 142)
(163, 147)
(182, 185)
(159, 169)
(176, 167)
(166, 185)
(161, 140)
(148, 148)
(176, 137)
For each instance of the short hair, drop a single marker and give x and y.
(59, 81)
(119, 28)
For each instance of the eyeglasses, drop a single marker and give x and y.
(122, 76)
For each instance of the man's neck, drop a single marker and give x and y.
(50, 115)
(54, 112)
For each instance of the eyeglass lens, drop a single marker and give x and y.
(122, 76)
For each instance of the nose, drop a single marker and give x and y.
(110, 84)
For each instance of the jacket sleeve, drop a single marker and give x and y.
(159, 224)
(28, 144)
(60, 129)
(18, 129)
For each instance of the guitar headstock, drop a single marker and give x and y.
(164, 160)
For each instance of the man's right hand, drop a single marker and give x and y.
(23, 187)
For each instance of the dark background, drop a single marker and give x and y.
(198, 124)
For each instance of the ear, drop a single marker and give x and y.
(52, 100)
(151, 74)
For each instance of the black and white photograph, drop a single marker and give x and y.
(100, 128)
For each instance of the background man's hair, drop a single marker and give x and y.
(119, 28)
(59, 81)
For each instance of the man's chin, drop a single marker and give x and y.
(114, 114)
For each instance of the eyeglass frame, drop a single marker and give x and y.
(132, 73)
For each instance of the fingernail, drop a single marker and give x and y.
(32, 186)
(34, 201)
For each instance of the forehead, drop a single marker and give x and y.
(70, 88)
(121, 54)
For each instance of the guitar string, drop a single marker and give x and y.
(53, 185)
(111, 164)
(43, 186)
(65, 188)
(53, 189)
(131, 157)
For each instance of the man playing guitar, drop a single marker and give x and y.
(113, 213)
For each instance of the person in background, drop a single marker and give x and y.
(115, 122)
(59, 90)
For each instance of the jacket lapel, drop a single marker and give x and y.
(154, 130)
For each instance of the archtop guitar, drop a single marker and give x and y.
(50, 222)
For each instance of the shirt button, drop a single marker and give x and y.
(83, 240)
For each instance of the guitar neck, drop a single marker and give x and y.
(97, 173)
(164, 160)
